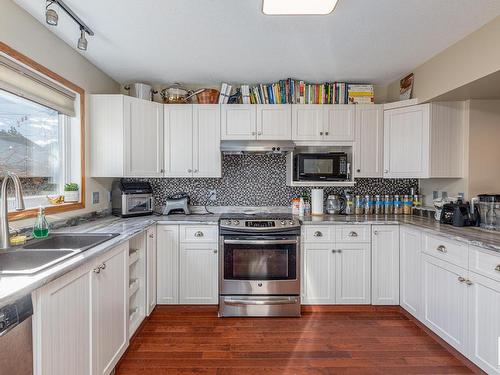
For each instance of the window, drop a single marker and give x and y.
(41, 133)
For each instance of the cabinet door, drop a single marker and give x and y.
(151, 269)
(385, 264)
(318, 276)
(62, 325)
(445, 300)
(238, 121)
(178, 142)
(410, 260)
(406, 142)
(110, 309)
(307, 122)
(274, 122)
(369, 146)
(167, 264)
(143, 146)
(206, 141)
(484, 322)
(352, 273)
(339, 122)
(198, 282)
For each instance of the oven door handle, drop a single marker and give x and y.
(260, 302)
(261, 242)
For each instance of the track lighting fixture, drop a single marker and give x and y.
(52, 18)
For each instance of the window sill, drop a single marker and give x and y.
(54, 209)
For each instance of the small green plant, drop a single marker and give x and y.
(71, 187)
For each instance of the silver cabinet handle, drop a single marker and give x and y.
(215, 251)
(97, 270)
(334, 251)
(442, 249)
(326, 133)
(353, 234)
(497, 268)
(461, 279)
(195, 171)
(103, 266)
(277, 301)
(318, 234)
(386, 171)
(190, 170)
(199, 234)
(320, 133)
(468, 282)
(260, 242)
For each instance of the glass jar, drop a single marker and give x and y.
(359, 208)
(417, 200)
(379, 205)
(398, 205)
(349, 204)
(407, 205)
(369, 205)
(388, 205)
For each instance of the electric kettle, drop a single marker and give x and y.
(335, 204)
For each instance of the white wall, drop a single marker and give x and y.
(22, 32)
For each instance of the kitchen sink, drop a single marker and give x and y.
(70, 241)
(41, 254)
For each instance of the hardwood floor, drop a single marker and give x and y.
(325, 340)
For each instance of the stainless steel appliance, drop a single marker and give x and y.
(177, 203)
(328, 166)
(459, 214)
(489, 209)
(16, 337)
(131, 198)
(259, 262)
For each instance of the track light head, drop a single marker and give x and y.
(51, 16)
(82, 41)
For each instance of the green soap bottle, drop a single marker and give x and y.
(41, 228)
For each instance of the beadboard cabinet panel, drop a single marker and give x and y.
(410, 260)
(274, 122)
(238, 121)
(369, 146)
(339, 122)
(318, 282)
(307, 122)
(178, 142)
(167, 255)
(352, 273)
(206, 141)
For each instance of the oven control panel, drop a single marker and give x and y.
(259, 224)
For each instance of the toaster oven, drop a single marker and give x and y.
(132, 198)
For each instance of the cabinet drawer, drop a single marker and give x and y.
(318, 233)
(353, 233)
(448, 250)
(484, 262)
(198, 233)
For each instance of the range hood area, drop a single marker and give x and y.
(256, 147)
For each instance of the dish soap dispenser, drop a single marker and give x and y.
(41, 228)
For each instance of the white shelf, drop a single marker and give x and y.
(133, 287)
(133, 257)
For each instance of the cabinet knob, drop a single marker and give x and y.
(97, 270)
(103, 266)
(358, 170)
(162, 170)
(259, 133)
(326, 133)
(151, 235)
(468, 282)
(353, 234)
(199, 234)
(442, 249)
(253, 133)
(215, 251)
(461, 279)
(190, 170)
(497, 268)
(195, 171)
(320, 133)
(339, 251)
(318, 234)
(386, 171)
(375, 232)
(334, 251)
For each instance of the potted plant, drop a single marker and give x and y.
(71, 192)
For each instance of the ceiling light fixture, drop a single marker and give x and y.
(298, 7)
(52, 19)
(51, 16)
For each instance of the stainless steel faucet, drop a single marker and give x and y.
(4, 211)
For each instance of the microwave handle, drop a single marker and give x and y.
(151, 203)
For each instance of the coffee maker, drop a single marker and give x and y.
(460, 214)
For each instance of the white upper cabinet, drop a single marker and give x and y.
(125, 137)
(178, 143)
(385, 264)
(339, 122)
(274, 122)
(238, 122)
(307, 122)
(369, 145)
(270, 122)
(424, 141)
(192, 140)
(320, 122)
(206, 141)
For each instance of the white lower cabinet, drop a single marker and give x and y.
(318, 274)
(352, 273)
(410, 280)
(151, 269)
(385, 264)
(445, 300)
(187, 264)
(80, 319)
(484, 322)
(198, 273)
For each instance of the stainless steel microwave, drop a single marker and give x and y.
(328, 166)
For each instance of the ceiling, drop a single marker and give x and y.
(209, 41)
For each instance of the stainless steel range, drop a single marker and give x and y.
(259, 265)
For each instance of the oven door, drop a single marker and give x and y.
(260, 265)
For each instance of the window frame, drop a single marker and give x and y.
(23, 59)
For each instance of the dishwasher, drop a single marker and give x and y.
(16, 343)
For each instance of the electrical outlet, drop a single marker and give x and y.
(212, 195)
(95, 197)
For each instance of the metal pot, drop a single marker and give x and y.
(176, 94)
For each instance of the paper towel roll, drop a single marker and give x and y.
(316, 201)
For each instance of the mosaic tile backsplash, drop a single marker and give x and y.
(260, 180)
